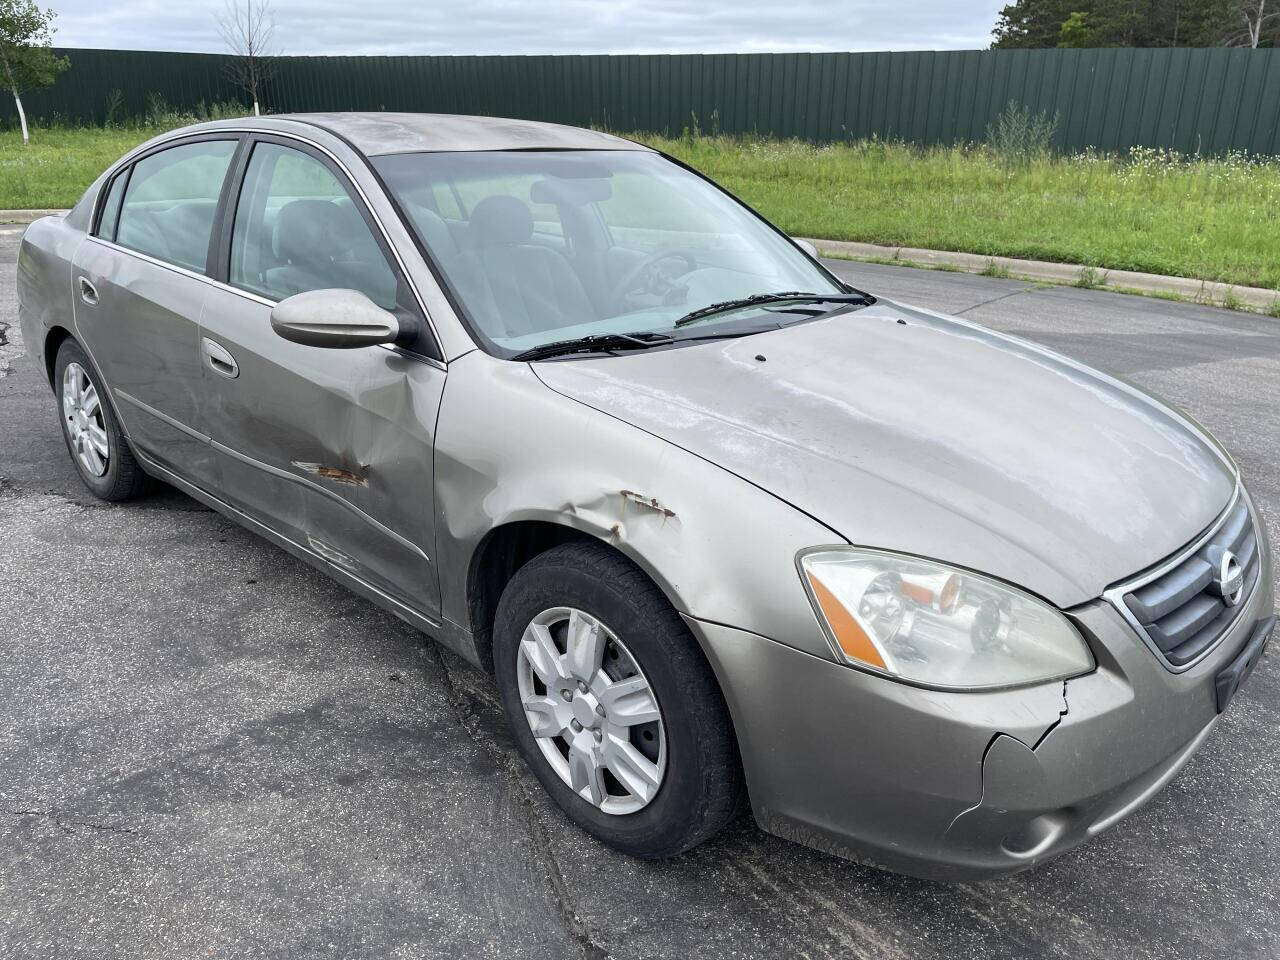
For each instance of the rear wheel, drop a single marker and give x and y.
(98, 449)
(613, 704)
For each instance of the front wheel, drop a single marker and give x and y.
(98, 448)
(613, 704)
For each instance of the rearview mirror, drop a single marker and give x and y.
(334, 318)
(806, 246)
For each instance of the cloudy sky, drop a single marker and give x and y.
(569, 26)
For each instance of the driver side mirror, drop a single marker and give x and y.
(334, 318)
(806, 246)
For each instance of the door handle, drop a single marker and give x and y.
(220, 361)
(88, 292)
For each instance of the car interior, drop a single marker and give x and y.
(176, 231)
(529, 256)
(309, 243)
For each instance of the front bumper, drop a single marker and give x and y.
(954, 786)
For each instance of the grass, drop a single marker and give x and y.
(58, 164)
(1214, 219)
(1148, 211)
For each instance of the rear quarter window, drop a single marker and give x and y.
(111, 208)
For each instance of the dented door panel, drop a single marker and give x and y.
(141, 333)
(332, 448)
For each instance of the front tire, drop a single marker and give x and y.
(98, 448)
(613, 704)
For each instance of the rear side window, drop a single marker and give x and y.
(170, 201)
(111, 209)
(297, 228)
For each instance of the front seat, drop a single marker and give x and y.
(435, 233)
(524, 288)
(313, 240)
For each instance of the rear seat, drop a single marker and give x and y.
(177, 233)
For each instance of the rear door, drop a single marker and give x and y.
(139, 289)
(331, 448)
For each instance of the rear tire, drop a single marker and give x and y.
(648, 665)
(91, 430)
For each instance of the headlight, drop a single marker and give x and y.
(931, 624)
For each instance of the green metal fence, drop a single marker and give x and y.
(1194, 100)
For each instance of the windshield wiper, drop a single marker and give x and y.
(595, 343)
(788, 296)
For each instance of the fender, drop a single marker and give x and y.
(715, 544)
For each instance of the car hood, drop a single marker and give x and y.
(902, 429)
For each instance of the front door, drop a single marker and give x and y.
(331, 448)
(138, 293)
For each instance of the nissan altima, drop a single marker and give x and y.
(726, 531)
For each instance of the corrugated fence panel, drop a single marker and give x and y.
(1191, 100)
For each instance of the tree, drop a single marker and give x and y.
(1137, 23)
(248, 29)
(1034, 23)
(1075, 31)
(1260, 17)
(25, 54)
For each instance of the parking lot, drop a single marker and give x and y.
(209, 749)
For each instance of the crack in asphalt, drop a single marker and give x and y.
(1003, 296)
(514, 769)
(67, 825)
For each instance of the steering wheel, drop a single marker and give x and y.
(645, 277)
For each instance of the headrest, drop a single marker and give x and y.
(501, 219)
(310, 230)
(434, 231)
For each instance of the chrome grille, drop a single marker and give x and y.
(1178, 608)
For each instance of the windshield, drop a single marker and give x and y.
(544, 246)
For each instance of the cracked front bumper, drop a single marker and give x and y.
(953, 786)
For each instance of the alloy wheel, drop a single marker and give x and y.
(591, 709)
(86, 427)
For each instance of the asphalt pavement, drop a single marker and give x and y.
(209, 749)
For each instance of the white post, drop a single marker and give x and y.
(255, 108)
(22, 117)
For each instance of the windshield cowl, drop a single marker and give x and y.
(762, 299)
(605, 343)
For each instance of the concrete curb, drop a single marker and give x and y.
(26, 216)
(1200, 291)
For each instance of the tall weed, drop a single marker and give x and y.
(1019, 136)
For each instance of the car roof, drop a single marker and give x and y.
(381, 133)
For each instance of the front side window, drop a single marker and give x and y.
(170, 202)
(542, 246)
(297, 229)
